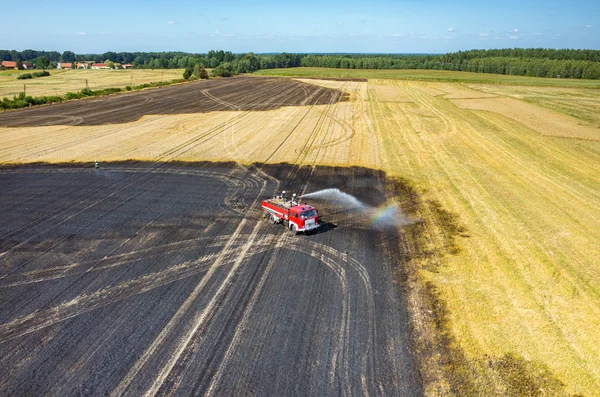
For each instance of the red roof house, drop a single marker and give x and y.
(100, 66)
(9, 65)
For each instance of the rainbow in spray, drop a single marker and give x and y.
(386, 215)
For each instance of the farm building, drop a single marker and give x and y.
(100, 66)
(127, 66)
(9, 65)
(82, 65)
(27, 65)
(64, 65)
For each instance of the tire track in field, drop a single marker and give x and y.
(112, 294)
(177, 317)
(108, 262)
(347, 354)
(246, 246)
(304, 152)
(254, 170)
(496, 229)
(177, 151)
(102, 133)
(56, 242)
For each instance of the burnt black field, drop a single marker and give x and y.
(149, 278)
(236, 93)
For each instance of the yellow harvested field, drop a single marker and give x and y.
(546, 122)
(62, 81)
(579, 103)
(454, 91)
(388, 93)
(527, 279)
(320, 134)
(523, 179)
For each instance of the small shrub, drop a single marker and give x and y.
(86, 92)
(19, 103)
(24, 76)
(54, 99)
(187, 73)
(128, 88)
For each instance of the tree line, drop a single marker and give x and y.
(509, 65)
(537, 62)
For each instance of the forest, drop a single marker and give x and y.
(536, 62)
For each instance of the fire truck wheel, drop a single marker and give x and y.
(273, 220)
(294, 229)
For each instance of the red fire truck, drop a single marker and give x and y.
(295, 216)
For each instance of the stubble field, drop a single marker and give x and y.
(514, 171)
(62, 81)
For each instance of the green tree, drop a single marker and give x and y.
(196, 72)
(187, 73)
(109, 63)
(223, 70)
(19, 64)
(42, 62)
(68, 56)
(203, 72)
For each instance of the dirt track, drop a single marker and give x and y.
(159, 279)
(240, 93)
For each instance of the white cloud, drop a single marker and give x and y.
(80, 33)
(451, 29)
(588, 26)
(339, 23)
(172, 22)
(515, 30)
(513, 37)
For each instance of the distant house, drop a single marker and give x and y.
(9, 65)
(82, 65)
(100, 66)
(64, 65)
(27, 65)
(127, 66)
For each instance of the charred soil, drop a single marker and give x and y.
(164, 278)
(237, 93)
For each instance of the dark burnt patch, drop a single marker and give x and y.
(239, 93)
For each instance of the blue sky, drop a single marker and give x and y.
(399, 26)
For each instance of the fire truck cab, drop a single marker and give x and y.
(294, 215)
